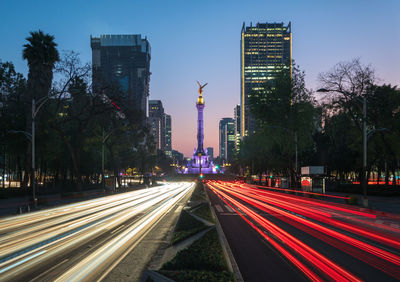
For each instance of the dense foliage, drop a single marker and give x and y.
(326, 128)
(72, 121)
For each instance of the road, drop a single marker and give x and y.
(276, 236)
(82, 241)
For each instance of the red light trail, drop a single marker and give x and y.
(353, 231)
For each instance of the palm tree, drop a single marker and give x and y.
(41, 54)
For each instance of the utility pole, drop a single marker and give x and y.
(33, 153)
(364, 168)
(103, 141)
(296, 164)
(35, 110)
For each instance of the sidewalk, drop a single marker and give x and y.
(378, 203)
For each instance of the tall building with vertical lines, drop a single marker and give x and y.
(168, 135)
(264, 50)
(123, 61)
(226, 138)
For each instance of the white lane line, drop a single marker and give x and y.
(21, 261)
(229, 208)
(219, 208)
(119, 228)
(49, 270)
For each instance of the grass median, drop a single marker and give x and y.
(203, 211)
(201, 261)
(186, 226)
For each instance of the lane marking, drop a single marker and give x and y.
(119, 228)
(229, 208)
(219, 208)
(49, 270)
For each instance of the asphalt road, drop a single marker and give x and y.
(277, 236)
(81, 241)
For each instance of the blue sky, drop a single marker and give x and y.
(199, 40)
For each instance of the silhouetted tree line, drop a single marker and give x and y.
(70, 125)
(326, 127)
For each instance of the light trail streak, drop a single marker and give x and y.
(325, 217)
(307, 216)
(69, 227)
(302, 192)
(325, 265)
(301, 266)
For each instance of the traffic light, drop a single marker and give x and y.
(217, 166)
(201, 176)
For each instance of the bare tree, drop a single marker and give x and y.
(346, 84)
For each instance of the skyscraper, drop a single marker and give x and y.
(264, 50)
(226, 138)
(123, 61)
(236, 115)
(168, 135)
(157, 122)
(210, 152)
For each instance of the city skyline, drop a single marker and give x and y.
(181, 51)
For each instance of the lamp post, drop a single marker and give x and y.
(103, 141)
(35, 111)
(364, 138)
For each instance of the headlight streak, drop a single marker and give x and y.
(28, 239)
(102, 257)
(98, 222)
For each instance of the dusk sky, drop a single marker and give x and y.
(200, 40)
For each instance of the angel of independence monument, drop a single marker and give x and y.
(200, 162)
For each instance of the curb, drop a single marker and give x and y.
(230, 259)
(155, 276)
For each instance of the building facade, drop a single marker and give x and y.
(226, 138)
(236, 114)
(210, 152)
(168, 135)
(265, 49)
(123, 62)
(156, 123)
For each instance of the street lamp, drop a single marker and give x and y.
(31, 137)
(364, 138)
(104, 140)
(35, 111)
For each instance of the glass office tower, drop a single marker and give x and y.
(265, 49)
(226, 138)
(123, 61)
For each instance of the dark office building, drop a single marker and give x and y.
(226, 138)
(178, 157)
(122, 62)
(236, 115)
(168, 135)
(157, 122)
(264, 50)
(210, 152)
